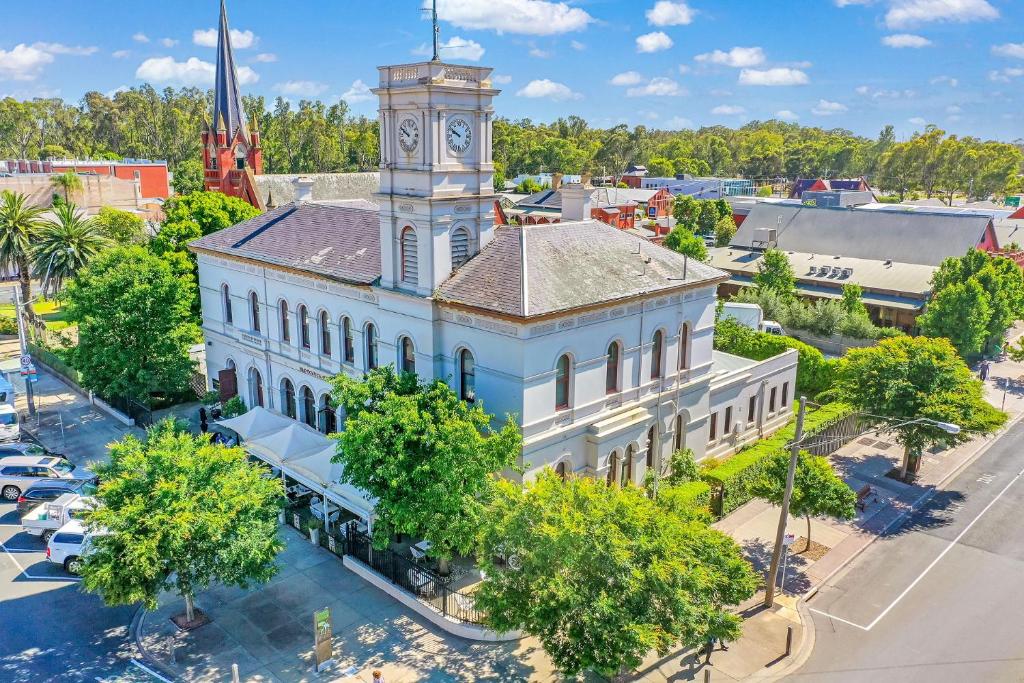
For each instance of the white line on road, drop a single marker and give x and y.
(24, 571)
(929, 567)
(149, 671)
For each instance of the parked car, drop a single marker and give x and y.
(44, 519)
(19, 472)
(70, 544)
(25, 448)
(45, 490)
(10, 429)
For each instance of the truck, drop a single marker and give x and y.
(43, 520)
(751, 315)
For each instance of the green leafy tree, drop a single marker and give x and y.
(764, 191)
(194, 215)
(685, 242)
(189, 177)
(909, 378)
(960, 313)
(121, 227)
(775, 272)
(660, 167)
(67, 182)
(725, 230)
(682, 468)
(64, 245)
(134, 326)
(817, 489)
(181, 514)
(19, 224)
(686, 210)
(528, 186)
(429, 458)
(602, 575)
(852, 303)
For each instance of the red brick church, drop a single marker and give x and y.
(232, 155)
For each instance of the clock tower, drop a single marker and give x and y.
(436, 171)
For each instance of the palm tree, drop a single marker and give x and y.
(65, 244)
(19, 224)
(67, 181)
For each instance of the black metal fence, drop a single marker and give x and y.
(428, 587)
(138, 411)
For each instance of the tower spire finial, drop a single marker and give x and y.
(227, 95)
(437, 30)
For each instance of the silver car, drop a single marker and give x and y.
(18, 472)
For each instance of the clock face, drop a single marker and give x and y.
(459, 135)
(409, 135)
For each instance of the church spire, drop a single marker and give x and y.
(227, 96)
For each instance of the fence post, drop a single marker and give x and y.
(444, 600)
(789, 640)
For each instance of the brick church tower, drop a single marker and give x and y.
(232, 155)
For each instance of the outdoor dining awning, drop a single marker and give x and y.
(256, 422)
(293, 442)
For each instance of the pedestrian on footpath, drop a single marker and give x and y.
(378, 677)
(985, 369)
(710, 645)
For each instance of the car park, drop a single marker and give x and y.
(25, 448)
(19, 472)
(43, 520)
(45, 490)
(70, 544)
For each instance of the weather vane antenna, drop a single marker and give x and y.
(437, 30)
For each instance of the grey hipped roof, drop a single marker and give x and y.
(227, 96)
(907, 237)
(535, 270)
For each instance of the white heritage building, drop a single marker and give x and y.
(597, 342)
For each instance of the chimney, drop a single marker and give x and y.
(585, 180)
(556, 181)
(576, 202)
(303, 189)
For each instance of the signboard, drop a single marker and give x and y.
(26, 361)
(296, 520)
(322, 634)
(332, 544)
(788, 539)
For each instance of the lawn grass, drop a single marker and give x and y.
(50, 311)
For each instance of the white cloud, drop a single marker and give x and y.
(905, 40)
(657, 87)
(1005, 75)
(948, 80)
(786, 115)
(736, 57)
(358, 92)
(22, 62)
(531, 17)
(1014, 50)
(192, 71)
(776, 76)
(61, 49)
(684, 68)
(110, 94)
(653, 42)
(168, 42)
(917, 121)
(501, 79)
(828, 108)
(954, 109)
(847, 3)
(577, 45)
(120, 54)
(240, 40)
(627, 78)
(265, 57)
(665, 13)
(904, 13)
(301, 88)
(454, 48)
(539, 53)
(728, 110)
(544, 88)
(140, 38)
(862, 90)
(678, 122)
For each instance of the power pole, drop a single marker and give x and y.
(780, 533)
(23, 345)
(437, 30)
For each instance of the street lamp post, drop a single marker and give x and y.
(23, 345)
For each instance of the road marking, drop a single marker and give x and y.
(24, 571)
(929, 567)
(149, 671)
(987, 478)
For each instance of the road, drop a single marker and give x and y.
(939, 599)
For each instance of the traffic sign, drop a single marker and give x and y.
(789, 539)
(26, 360)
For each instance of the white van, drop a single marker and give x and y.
(10, 429)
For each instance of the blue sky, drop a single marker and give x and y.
(857, 64)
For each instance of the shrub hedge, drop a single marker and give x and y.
(814, 374)
(55, 363)
(733, 478)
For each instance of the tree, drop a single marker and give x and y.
(909, 378)
(428, 457)
(121, 227)
(602, 575)
(19, 224)
(852, 303)
(134, 328)
(68, 182)
(660, 167)
(682, 468)
(775, 272)
(685, 242)
(189, 177)
(182, 513)
(725, 230)
(195, 215)
(960, 313)
(817, 490)
(64, 245)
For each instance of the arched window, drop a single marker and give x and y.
(467, 376)
(254, 311)
(308, 407)
(371, 346)
(229, 318)
(409, 258)
(613, 467)
(346, 333)
(460, 247)
(288, 398)
(626, 467)
(656, 353)
(562, 383)
(611, 377)
(408, 357)
(650, 447)
(286, 324)
(325, 334)
(304, 327)
(678, 443)
(562, 470)
(255, 387)
(328, 418)
(684, 347)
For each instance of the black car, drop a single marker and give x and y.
(45, 491)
